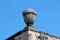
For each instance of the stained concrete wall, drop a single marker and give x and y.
(31, 35)
(50, 37)
(22, 36)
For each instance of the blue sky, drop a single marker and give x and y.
(11, 19)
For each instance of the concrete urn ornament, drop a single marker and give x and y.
(29, 16)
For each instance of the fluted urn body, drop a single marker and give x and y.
(29, 16)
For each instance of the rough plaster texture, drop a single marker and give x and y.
(22, 36)
(31, 35)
